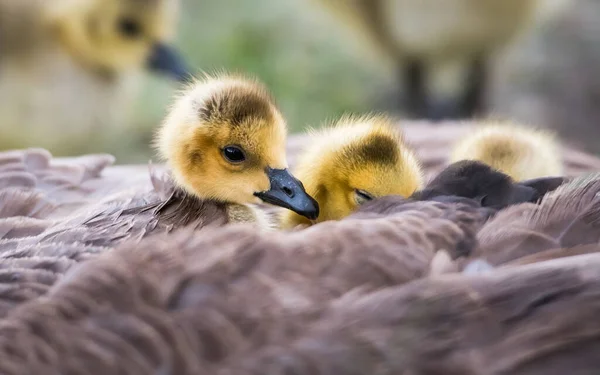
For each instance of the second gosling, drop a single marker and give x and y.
(224, 140)
(357, 159)
(521, 152)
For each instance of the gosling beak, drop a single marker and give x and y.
(543, 185)
(521, 194)
(165, 60)
(288, 192)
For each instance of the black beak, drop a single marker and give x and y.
(521, 194)
(288, 192)
(543, 185)
(165, 60)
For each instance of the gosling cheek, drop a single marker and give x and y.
(244, 192)
(263, 184)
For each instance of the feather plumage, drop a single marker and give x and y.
(566, 217)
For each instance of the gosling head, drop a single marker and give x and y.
(224, 139)
(484, 185)
(111, 36)
(516, 150)
(355, 161)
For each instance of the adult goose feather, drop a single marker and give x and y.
(229, 300)
(335, 247)
(154, 307)
(565, 218)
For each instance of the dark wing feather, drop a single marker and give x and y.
(566, 217)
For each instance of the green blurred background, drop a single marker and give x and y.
(317, 71)
(312, 69)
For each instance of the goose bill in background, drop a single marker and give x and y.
(167, 61)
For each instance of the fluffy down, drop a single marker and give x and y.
(521, 152)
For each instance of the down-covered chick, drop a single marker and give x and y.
(74, 65)
(521, 152)
(107, 37)
(224, 139)
(353, 161)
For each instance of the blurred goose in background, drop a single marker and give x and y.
(442, 50)
(69, 68)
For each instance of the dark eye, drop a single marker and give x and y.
(233, 154)
(129, 28)
(362, 196)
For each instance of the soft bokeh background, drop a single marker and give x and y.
(317, 72)
(314, 71)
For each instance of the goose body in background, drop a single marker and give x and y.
(442, 50)
(69, 69)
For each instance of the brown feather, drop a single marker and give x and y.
(566, 217)
(233, 300)
(517, 321)
(389, 250)
(555, 254)
(194, 303)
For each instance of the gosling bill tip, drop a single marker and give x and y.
(288, 192)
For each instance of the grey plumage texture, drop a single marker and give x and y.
(100, 272)
(221, 303)
(57, 212)
(565, 218)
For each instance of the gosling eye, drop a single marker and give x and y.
(362, 196)
(233, 154)
(129, 28)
